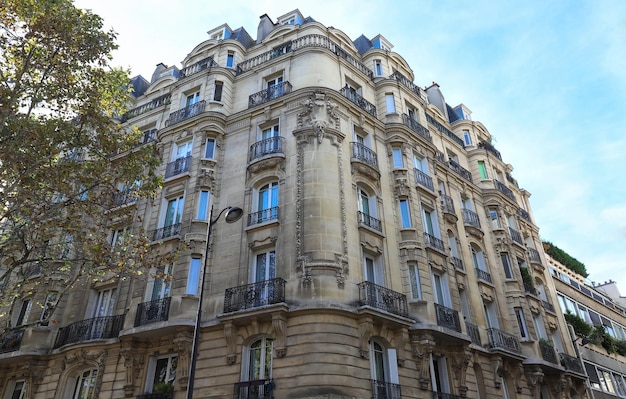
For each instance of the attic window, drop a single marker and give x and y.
(218, 35)
(290, 20)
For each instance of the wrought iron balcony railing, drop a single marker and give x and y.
(547, 352)
(504, 190)
(487, 146)
(267, 292)
(11, 341)
(547, 306)
(370, 221)
(157, 102)
(534, 255)
(257, 389)
(461, 171)
(385, 390)
(186, 113)
(357, 99)
(470, 218)
(442, 395)
(269, 94)
(416, 127)
(90, 329)
(406, 83)
(126, 197)
(364, 154)
(424, 180)
(153, 311)
(448, 204)
(272, 145)
(199, 66)
(498, 339)
(516, 236)
(382, 298)
(473, 332)
(571, 363)
(523, 214)
(263, 216)
(458, 263)
(166, 232)
(530, 289)
(177, 167)
(448, 318)
(444, 130)
(433, 242)
(483, 275)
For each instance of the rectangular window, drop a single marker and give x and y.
(230, 59)
(192, 98)
(193, 278)
(405, 215)
(18, 390)
(209, 150)
(467, 138)
(521, 323)
(491, 315)
(391, 103)
(506, 264)
(539, 326)
(398, 162)
(482, 170)
(414, 277)
(105, 302)
(22, 317)
(217, 94)
(203, 205)
(378, 68)
(117, 237)
(495, 220)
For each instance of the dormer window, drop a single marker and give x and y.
(218, 36)
(292, 18)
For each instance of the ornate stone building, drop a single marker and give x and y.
(386, 250)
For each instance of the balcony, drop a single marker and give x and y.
(166, 232)
(458, 263)
(498, 339)
(487, 146)
(516, 236)
(263, 216)
(449, 212)
(157, 102)
(177, 167)
(523, 214)
(199, 66)
(88, 330)
(11, 341)
(257, 389)
(534, 255)
(364, 154)
(254, 295)
(571, 363)
(125, 197)
(272, 145)
(185, 113)
(461, 171)
(407, 83)
(369, 221)
(442, 395)
(504, 190)
(382, 298)
(548, 306)
(530, 289)
(357, 99)
(547, 352)
(470, 218)
(269, 94)
(385, 390)
(416, 127)
(424, 180)
(473, 332)
(444, 130)
(153, 311)
(483, 275)
(448, 318)
(433, 242)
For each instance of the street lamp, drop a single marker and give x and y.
(233, 214)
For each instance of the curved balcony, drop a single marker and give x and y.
(571, 363)
(471, 221)
(369, 221)
(153, 311)
(507, 192)
(269, 94)
(267, 292)
(177, 167)
(358, 100)
(265, 147)
(263, 216)
(90, 329)
(382, 298)
(516, 237)
(499, 339)
(364, 155)
(185, 113)
(257, 389)
(483, 275)
(422, 179)
(416, 127)
(433, 242)
(547, 352)
(447, 205)
(11, 341)
(166, 232)
(448, 318)
(385, 390)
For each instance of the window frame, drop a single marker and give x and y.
(204, 205)
(505, 259)
(405, 213)
(193, 276)
(218, 90)
(152, 370)
(415, 285)
(521, 323)
(390, 103)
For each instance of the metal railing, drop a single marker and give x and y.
(473, 332)
(499, 339)
(504, 190)
(547, 306)
(124, 197)
(458, 263)
(153, 311)
(424, 180)
(433, 242)
(357, 99)
(257, 389)
(11, 341)
(254, 295)
(385, 390)
(263, 216)
(382, 298)
(166, 232)
(177, 167)
(87, 330)
(157, 102)
(370, 221)
(571, 363)
(448, 318)
(442, 129)
(487, 146)
(470, 218)
(406, 83)
(416, 127)
(483, 275)
(364, 154)
(199, 66)
(272, 145)
(523, 213)
(516, 236)
(461, 171)
(534, 255)
(448, 204)
(530, 289)
(186, 113)
(269, 94)
(547, 352)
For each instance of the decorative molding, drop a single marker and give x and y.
(319, 113)
(230, 334)
(366, 325)
(183, 342)
(279, 326)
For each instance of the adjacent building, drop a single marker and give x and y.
(386, 249)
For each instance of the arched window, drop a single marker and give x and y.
(257, 370)
(368, 210)
(81, 384)
(384, 371)
(265, 206)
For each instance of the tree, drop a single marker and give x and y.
(63, 155)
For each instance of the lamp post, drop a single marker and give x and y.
(233, 214)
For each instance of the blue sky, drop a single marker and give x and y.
(546, 77)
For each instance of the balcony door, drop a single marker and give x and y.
(441, 292)
(264, 271)
(275, 87)
(105, 302)
(173, 214)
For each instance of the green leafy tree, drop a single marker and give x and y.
(63, 155)
(563, 257)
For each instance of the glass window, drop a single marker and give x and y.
(209, 151)
(18, 390)
(495, 220)
(174, 211)
(230, 59)
(258, 367)
(265, 266)
(414, 277)
(217, 94)
(378, 68)
(193, 279)
(22, 317)
(105, 302)
(192, 98)
(398, 162)
(405, 215)
(164, 371)
(203, 205)
(506, 264)
(521, 323)
(467, 138)
(482, 170)
(391, 104)
(86, 385)
(161, 283)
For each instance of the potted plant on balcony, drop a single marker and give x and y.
(166, 389)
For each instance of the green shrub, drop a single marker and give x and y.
(581, 328)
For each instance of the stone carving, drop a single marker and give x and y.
(496, 363)
(423, 347)
(318, 113)
(365, 332)
(183, 342)
(230, 334)
(461, 361)
(134, 363)
(279, 325)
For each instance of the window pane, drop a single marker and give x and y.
(203, 205)
(397, 158)
(404, 214)
(209, 151)
(193, 280)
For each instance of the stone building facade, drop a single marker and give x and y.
(386, 251)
